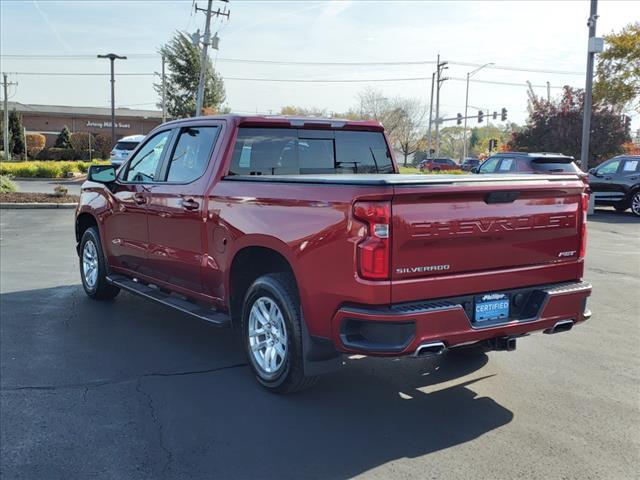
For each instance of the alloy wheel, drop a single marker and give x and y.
(90, 263)
(267, 337)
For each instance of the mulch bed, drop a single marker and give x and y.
(24, 197)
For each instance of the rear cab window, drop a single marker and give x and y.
(290, 151)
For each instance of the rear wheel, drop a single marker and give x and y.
(437, 169)
(635, 204)
(272, 334)
(93, 267)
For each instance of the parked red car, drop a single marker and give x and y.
(302, 233)
(438, 164)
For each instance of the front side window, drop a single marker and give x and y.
(489, 165)
(143, 166)
(192, 153)
(609, 168)
(286, 151)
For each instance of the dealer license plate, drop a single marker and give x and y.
(492, 306)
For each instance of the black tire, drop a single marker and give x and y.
(99, 289)
(279, 288)
(437, 169)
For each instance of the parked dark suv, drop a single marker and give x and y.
(616, 183)
(522, 162)
(469, 164)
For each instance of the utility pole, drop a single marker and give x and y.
(548, 92)
(440, 79)
(5, 85)
(112, 57)
(433, 81)
(595, 45)
(466, 106)
(164, 92)
(206, 39)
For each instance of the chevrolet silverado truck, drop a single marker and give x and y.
(303, 235)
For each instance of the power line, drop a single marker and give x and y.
(312, 63)
(303, 80)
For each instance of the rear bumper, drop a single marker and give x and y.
(400, 329)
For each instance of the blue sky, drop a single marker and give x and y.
(540, 35)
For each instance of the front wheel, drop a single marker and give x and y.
(93, 267)
(272, 334)
(635, 204)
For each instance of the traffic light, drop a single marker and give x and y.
(480, 116)
(493, 144)
(503, 115)
(495, 115)
(459, 121)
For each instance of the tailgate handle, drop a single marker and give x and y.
(501, 197)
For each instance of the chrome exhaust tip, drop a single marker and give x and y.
(559, 327)
(431, 348)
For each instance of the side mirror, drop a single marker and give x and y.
(474, 170)
(102, 174)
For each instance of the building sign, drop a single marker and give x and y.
(91, 123)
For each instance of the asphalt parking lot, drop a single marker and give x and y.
(127, 389)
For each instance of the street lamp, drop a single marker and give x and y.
(466, 105)
(113, 57)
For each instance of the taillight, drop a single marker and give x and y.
(584, 204)
(373, 251)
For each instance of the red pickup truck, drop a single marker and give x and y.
(302, 233)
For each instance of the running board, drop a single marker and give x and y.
(209, 315)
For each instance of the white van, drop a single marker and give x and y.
(124, 148)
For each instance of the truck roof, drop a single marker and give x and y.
(287, 121)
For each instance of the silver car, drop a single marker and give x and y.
(123, 149)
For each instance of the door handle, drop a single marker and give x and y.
(607, 178)
(140, 199)
(190, 204)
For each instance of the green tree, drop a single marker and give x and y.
(474, 139)
(618, 71)
(556, 126)
(183, 62)
(64, 138)
(17, 144)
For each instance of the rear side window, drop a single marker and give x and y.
(287, 151)
(554, 165)
(631, 165)
(126, 145)
(191, 154)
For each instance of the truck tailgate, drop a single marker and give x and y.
(482, 226)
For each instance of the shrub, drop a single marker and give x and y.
(60, 191)
(63, 138)
(7, 185)
(55, 153)
(35, 144)
(80, 142)
(103, 145)
(44, 169)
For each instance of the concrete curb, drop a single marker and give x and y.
(24, 206)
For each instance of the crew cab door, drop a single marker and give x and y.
(125, 229)
(603, 181)
(177, 211)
